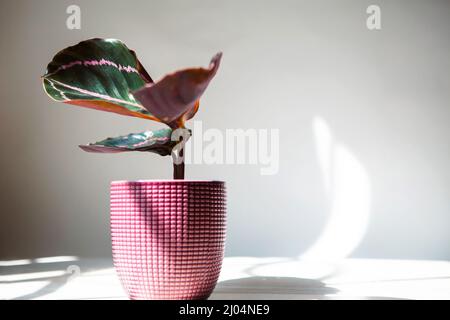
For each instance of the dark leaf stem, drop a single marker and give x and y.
(178, 171)
(178, 166)
(178, 161)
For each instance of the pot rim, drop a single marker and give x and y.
(181, 181)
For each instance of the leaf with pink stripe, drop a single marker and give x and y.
(98, 74)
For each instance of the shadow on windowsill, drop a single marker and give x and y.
(272, 288)
(281, 288)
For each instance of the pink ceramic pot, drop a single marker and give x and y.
(168, 237)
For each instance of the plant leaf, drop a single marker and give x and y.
(158, 141)
(98, 74)
(175, 98)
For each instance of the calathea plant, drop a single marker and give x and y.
(104, 74)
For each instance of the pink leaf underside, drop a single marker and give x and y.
(176, 93)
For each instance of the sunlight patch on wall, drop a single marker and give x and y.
(348, 192)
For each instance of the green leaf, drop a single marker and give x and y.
(158, 141)
(98, 74)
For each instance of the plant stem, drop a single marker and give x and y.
(178, 169)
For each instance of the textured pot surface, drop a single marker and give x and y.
(168, 237)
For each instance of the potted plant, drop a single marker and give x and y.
(167, 235)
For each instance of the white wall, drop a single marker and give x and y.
(363, 118)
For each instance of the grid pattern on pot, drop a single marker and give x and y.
(168, 237)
